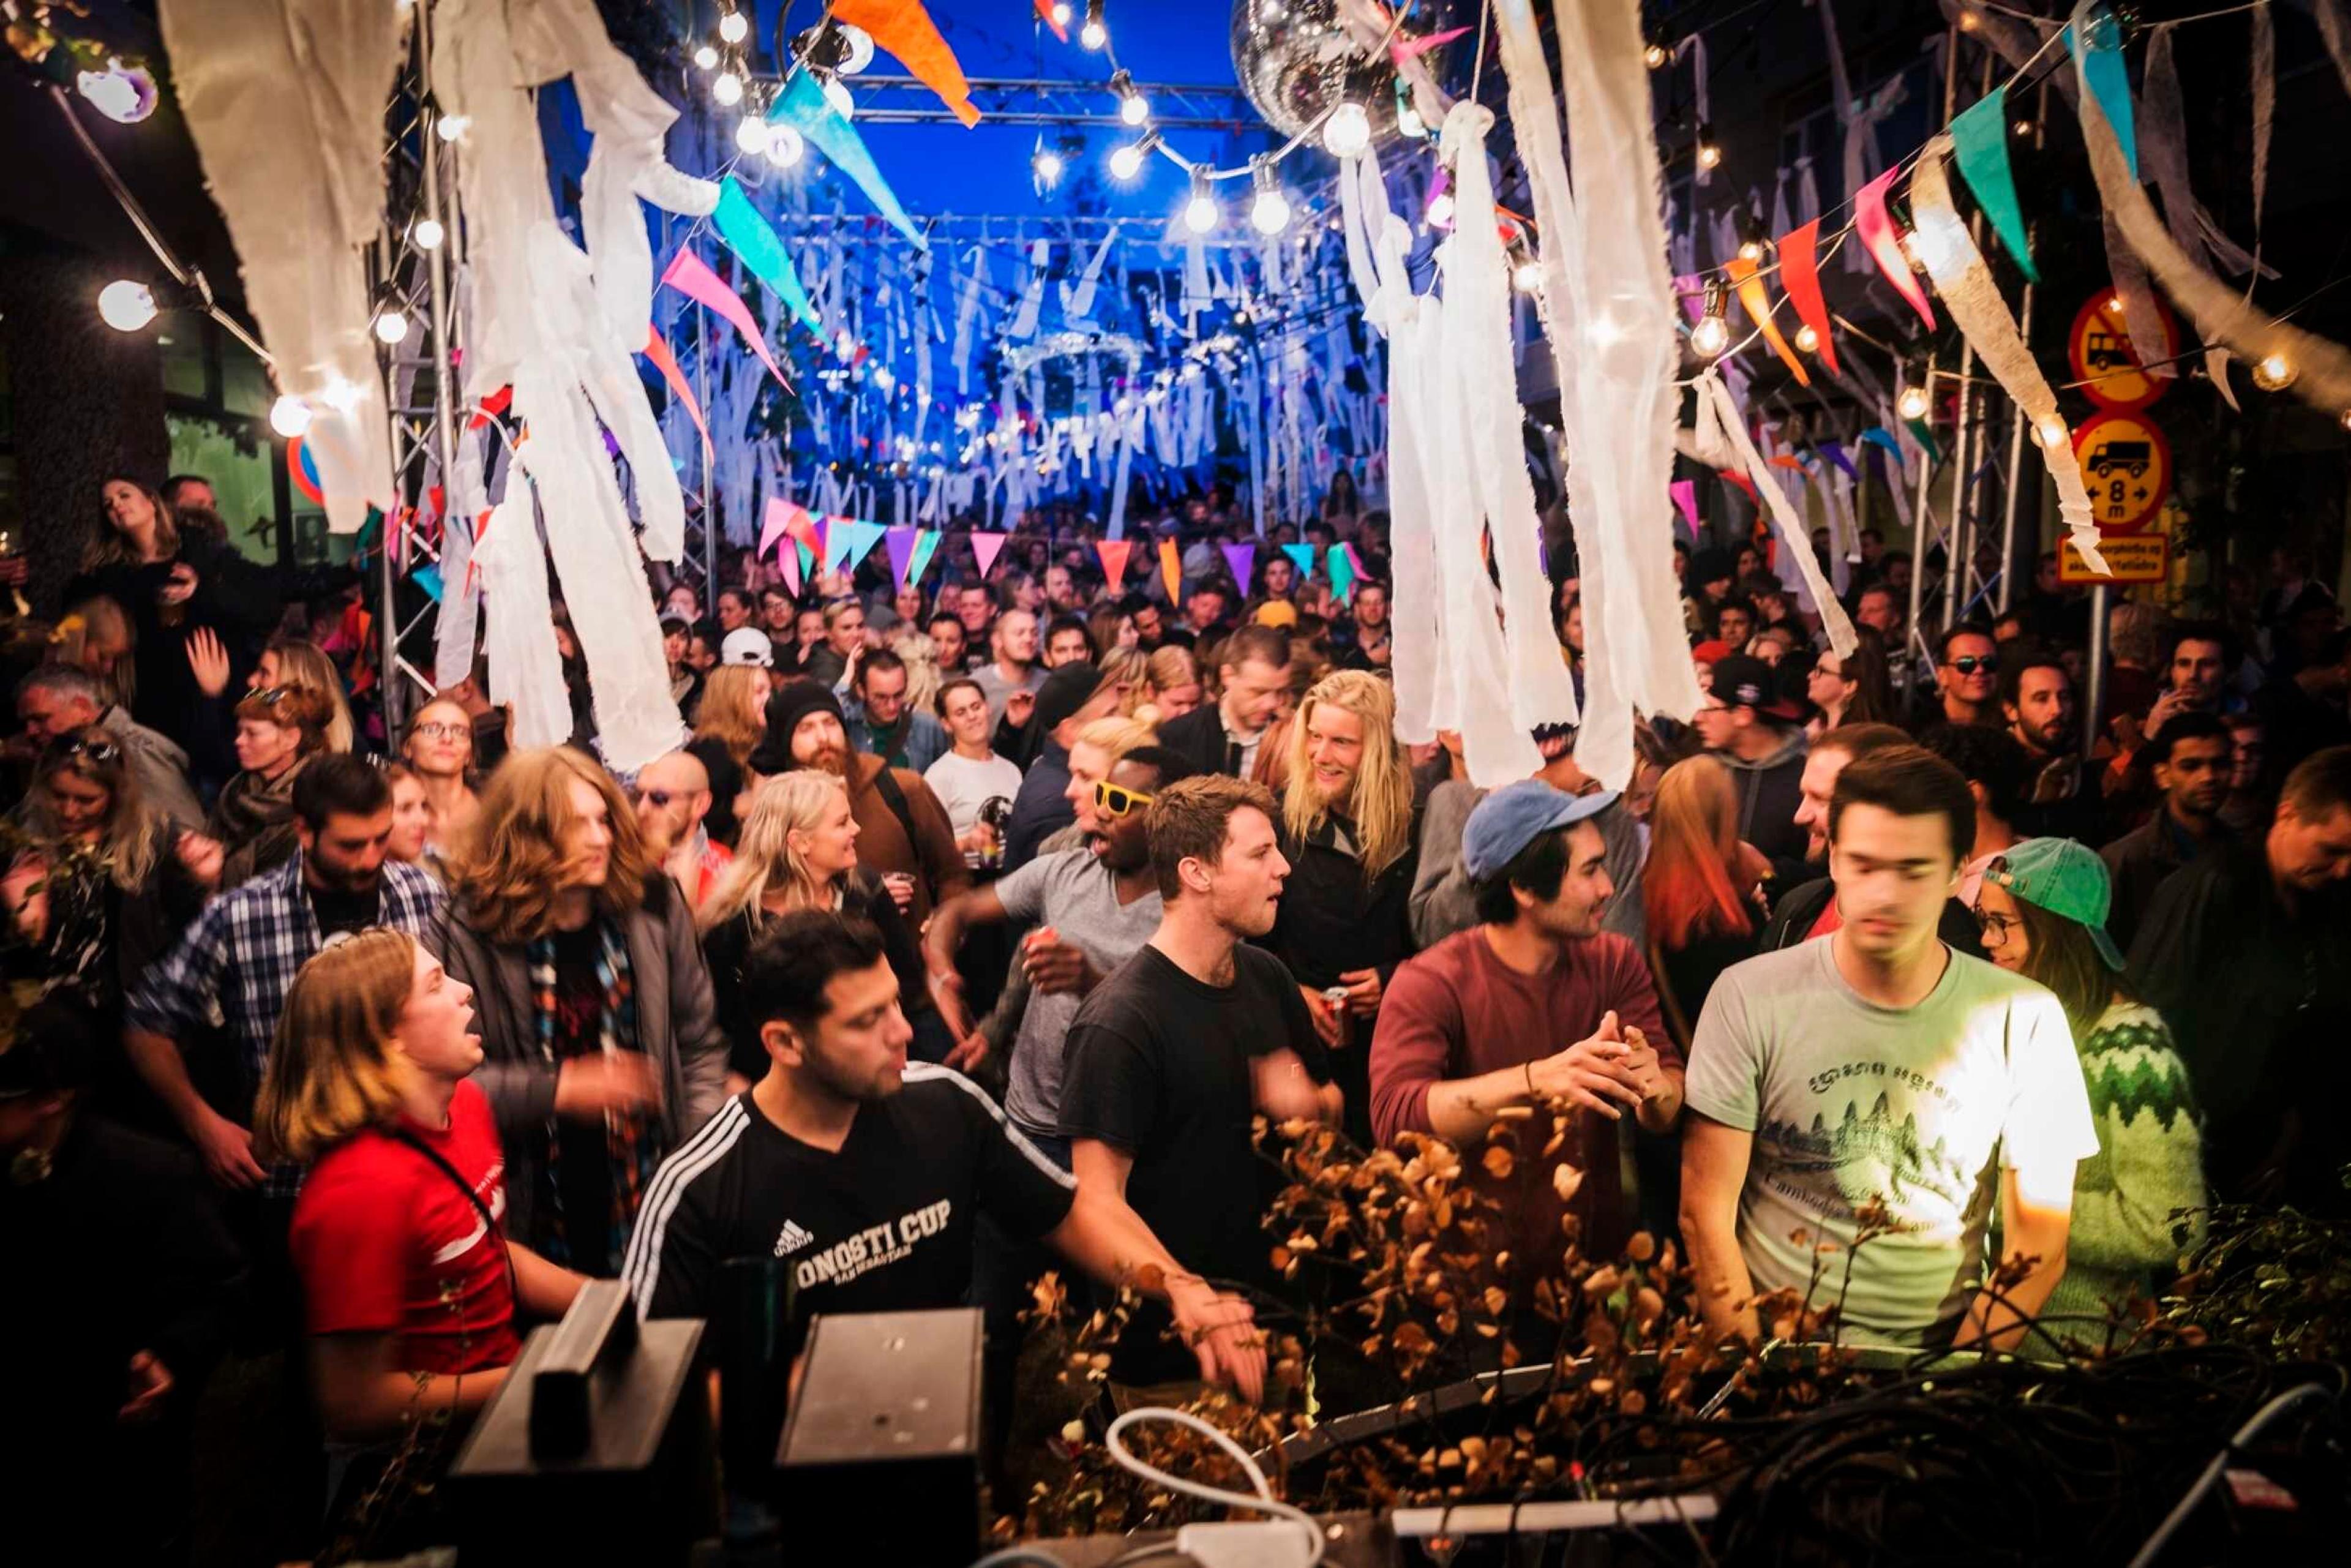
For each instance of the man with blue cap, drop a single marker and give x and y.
(1533, 1005)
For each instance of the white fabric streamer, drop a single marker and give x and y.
(1795, 538)
(2264, 65)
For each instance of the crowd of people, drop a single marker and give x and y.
(975, 924)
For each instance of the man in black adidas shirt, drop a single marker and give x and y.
(866, 1171)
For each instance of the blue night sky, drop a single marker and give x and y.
(943, 168)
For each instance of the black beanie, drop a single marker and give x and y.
(790, 704)
(1065, 691)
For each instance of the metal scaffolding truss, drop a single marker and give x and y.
(1038, 100)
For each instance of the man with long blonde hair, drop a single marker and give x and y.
(602, 1050)
(1348, 829)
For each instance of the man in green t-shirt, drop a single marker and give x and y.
(1875, 1068)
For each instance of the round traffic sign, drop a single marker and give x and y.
(2104, 360)
(2126, 467)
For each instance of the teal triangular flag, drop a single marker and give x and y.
(751, 236)
(802, 106)
(1925, 438)
(837, 540)
(2098, 56)
(926, 543)
(1981, 137)
(1342, 573)
(862, 536)
(1303, 557)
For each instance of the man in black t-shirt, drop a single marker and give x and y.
(865, 1172)
(1171, 1057)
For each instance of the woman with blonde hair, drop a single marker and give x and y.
(603, 1052)
(728, 725)
(1171, 681)
(410, 1287)
(296, 662)
(798, 850)
(1349, 829)
(1700, 898)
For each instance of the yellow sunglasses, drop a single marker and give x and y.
(1117, 799)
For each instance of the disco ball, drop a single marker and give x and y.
(1295, 59)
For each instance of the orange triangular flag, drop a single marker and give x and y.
(1171, 570)
(906, 30)
(1750, 294)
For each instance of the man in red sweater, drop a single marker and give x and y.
(1532, 1005)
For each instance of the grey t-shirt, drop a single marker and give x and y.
(1850, 1100)
(1077, 896)
(996, 688)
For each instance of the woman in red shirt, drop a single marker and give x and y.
(410, 1286)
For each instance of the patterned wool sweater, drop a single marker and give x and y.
(2149, 1162)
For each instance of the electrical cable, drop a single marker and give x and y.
(2212, 1473)
(1264, 1502)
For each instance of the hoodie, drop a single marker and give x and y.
(1768, 798)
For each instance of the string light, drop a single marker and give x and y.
(1710, 153)
(1093, 34)
(124, 94)
(1807, 341)
(1712, 335)
(290, 416)
(2347, 419)
(2050, 432)
(1912, 403)
(2022, 128)
(391, 325)
(1751, 244)
(1439, 215)
(1408, 120)
(2275, 372)
(706, 58)
(427, 232)
(1045, 164)
(1348, 131)
(734, 27)
(1527, 277)
(1658, 56)
(1134, 108)
(751, 135)
(126, 306)
(1200, 214)
(727, 89)
(1060, 13)
(1126, 158)
(453, 127)
(784, 144)
(1270, 212)
(860, 45)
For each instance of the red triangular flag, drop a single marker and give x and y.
(1800, 275)
(1113, 560)
(665, 361)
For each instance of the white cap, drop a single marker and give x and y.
(747, 645)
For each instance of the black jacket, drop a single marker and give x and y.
(1199, 737)
(1792, 917)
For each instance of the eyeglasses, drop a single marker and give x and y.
(1995, 927)
(443, 731)
(1117, 799)
(1968, 663)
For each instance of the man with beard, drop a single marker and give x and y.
(2191, 758)
(902, 832)
(1471, 1031)
(1012, 672)
(2036, 698)
(1091, 908)
(1169, 1058)
(239, 959)
(1881, 1069)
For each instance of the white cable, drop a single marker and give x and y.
(1264, 1502)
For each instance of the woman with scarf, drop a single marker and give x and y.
(278, 730)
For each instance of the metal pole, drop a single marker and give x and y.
(1918, 554)
(436, 271)
(2095, 696)
(1955, 533)
(2015, 486)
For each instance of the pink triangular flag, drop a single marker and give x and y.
(901, 543)
(1684, 493)
(1872, 222)
(790, 559)
(1407, 49)
(774, 524)
(1113, 561)
(698, 283)
(984, 546)
(1240, 559)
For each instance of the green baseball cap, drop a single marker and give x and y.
(2064, 878)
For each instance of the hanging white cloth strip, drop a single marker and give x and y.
(1968, 291)
(526, 669)
(2162, 133)
(1795, 538)
(285, 100)
(2264, 66)
(1608, 314)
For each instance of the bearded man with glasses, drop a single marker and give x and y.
(1967, 681)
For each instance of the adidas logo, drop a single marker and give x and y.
(792, 1239)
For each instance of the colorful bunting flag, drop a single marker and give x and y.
(751, 236)
(665, 361)
(1171, 570)
(906, 30)
(837, 540)
(689, 277)
(774, 524)
(1113, 554)
(1835, 452)
(901, 543)
(1732, 477)
(984, 548)
(1301, 556)
(1758, 310)
(1871, 221)
(1045, 15)
(1342, 573)
(802, 106)
(1685, 495)
(1800, 275)
(2099, 57)
(1238, 560)
(926, 545)
(1980, 137)
(862, 537)
(790, 561)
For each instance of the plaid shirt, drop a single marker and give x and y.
(239, 959)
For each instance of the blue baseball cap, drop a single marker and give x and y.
(1514, 816)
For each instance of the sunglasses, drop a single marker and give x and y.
(97, 748)
(1968, 663)
(1117, 799)
(658, 799)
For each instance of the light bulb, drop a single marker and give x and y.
(1709, 156)
(2275, 372)
(734, 27)
(1200, 214)
(1712, 335)
(1657, 56)
(836, 95)
(1912, 403)
(290, 416)
(126, 306)
(2023, 127)
(124, 94)
(1126, 161)
(1062, 13)
(784, 144)
(341, 395)
(1348, 132)
(2051, 433)
(2347, 419)
(1440, 211)
(1134, 109)
(1807, 341)
(391, 325)
(1409, 122)
(1270, 212)
(860, 48)
(1093, 34)
(727, 88)
(706, 58)
(1527, 277)
(1047, 166)
(453, 127)
(751, 134)
(428, 234)
(1750, 250)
